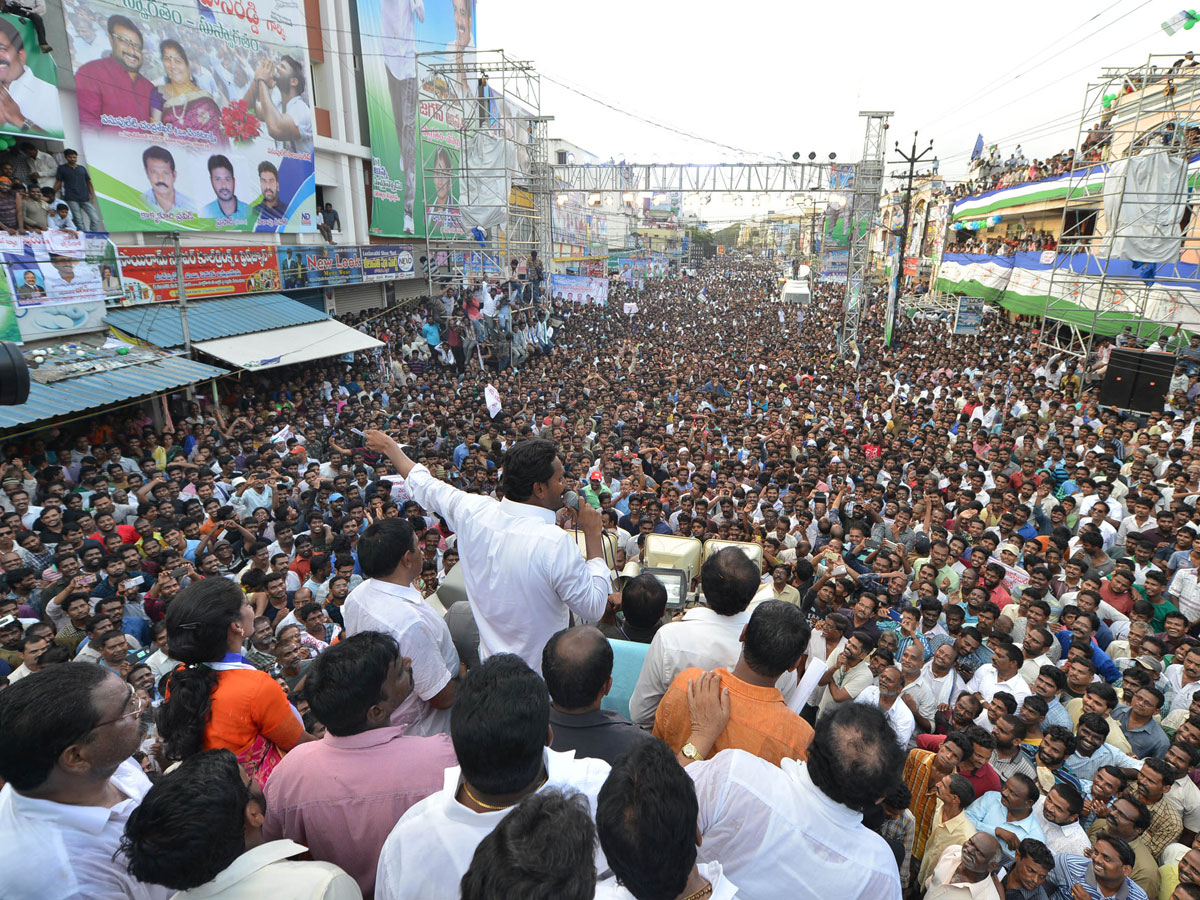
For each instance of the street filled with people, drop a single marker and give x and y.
(399, 627)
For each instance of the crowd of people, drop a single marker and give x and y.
(989, 171)
(382, 628)
(1025, 242)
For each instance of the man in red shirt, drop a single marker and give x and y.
(114, 86)
(106, 525)
(1117, 592)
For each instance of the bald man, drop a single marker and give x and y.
(969, 865)
(577, 664)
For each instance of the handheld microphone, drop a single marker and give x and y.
(571, 500)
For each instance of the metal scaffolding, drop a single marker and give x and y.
(715, 178)
(500, 211)
(868, 181)
(1099, 281)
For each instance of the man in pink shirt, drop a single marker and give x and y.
(342, 795)
(114, 86)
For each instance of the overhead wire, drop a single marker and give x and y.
(990, 89)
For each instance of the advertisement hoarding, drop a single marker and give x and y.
(195, 116)
(319, 267)
(388, 262)
(148, 274)
(410, 173)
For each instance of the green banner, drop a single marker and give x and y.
(414, 183)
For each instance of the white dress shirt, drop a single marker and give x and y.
(899, 715)
(776, 835)
(60, 851)
(1061, 838)
(423, 637)
(1180, 695)
(722, 887)
(1185, 797)
(521, 572)
(986, 681)
(430, 849)
(702, 639)
(266, 872)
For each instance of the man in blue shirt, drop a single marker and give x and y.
(1083, 630)
(1009, 814)
(1091, 751)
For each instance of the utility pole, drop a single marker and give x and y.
(912, 159)
(181, 287)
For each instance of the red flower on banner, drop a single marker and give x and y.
(238, 123)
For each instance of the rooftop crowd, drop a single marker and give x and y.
(236, 662)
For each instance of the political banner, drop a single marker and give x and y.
(968, 317)
(415, 116)
(835, 265)
(388, 263)
(30, 106)
(58, 267)
(319, 267)
(662, 208)
(633, 271)
(197, 116)
(580, 289)
(148, 274)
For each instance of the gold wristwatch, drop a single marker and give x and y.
(689, 750)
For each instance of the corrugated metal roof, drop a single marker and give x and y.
(158, 323)
(49, 401)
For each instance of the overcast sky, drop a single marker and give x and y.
(774, 77)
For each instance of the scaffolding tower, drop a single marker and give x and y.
(1135, 123)
(490, 200)
(868, 182)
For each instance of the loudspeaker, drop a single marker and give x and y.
(1137, 380)
(14, 375)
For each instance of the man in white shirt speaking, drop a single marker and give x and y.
(523, 574)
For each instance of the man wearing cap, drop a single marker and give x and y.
(595, 487)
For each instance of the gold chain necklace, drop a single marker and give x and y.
(488, 806)
(703, 892)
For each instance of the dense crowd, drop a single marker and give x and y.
(1028, 242)
(381, 628)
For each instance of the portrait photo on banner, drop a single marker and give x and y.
(195, 116)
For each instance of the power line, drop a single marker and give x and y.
(988, 90)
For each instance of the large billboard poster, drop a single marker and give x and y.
(195, 116)
(580, 289)
(662, 207)
(30, 107)
(409, 173)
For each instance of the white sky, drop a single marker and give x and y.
(774, 77)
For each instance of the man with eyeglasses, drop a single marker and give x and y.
(66, 737)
